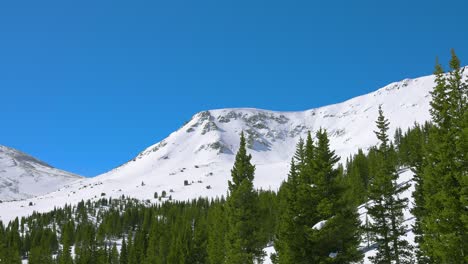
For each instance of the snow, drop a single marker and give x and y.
(22, 176)
(202, 151)
(319, 225)
(268, 250)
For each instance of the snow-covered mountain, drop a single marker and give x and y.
(22, 176)
(201, 152)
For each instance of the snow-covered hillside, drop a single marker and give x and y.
(202, 151)
(22, 176)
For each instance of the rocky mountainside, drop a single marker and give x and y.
(196, 159)
(23, 176)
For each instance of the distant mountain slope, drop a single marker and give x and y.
(196, 159)
(23, 176)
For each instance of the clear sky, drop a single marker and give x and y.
(86, 85)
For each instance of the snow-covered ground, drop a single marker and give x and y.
(202, 151)
(22, 176)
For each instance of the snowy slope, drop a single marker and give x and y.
(202, 151)
(22, 176)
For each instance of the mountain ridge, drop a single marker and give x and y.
(195, 160)
(23, 176)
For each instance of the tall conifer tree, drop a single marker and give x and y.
(312, 194)
(444, 228)
(242, 245)
(386, 205)
(335, 239)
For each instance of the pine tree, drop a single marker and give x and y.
(386, 205)
(123, 252)
(337, 240)
(290, 238)
(2, 243)
(242, 245)
(114, 255)
(12, 243)
(313, 193)
(297, 207)
(357, 178)
(444, 238)
(216, 235)
(419, 209)
(65, 256)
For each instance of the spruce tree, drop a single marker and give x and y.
(216, 235)
(438, 108)
(2, 243)
(357, 178)
(336, 237)
(290, 238)
(242, 245)
(444, 237)
(65, 256)
(114, 255)
(313, 193)
(386, 205)
(297, 207)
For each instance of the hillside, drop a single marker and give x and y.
(23, 176)
(200, 153)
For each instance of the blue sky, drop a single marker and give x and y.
(86, 85)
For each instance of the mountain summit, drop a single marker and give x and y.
(23, 176)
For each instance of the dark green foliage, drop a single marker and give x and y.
(216, 236)
(442, 196)
(242, 243)
(338, 239)
(313, 193)
(357, 178)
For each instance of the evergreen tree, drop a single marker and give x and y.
(2, 243)
(336, 237)
(290, 238)
(242, 245)
(357, 178)
(444, 238)
(65, 255)
(312, 194)
(12, 243)
(114, 255)
(123, 252)
(216, 235)
(417, 163)
(386, 205)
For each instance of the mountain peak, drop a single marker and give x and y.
(23, 176)
(20, 157)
